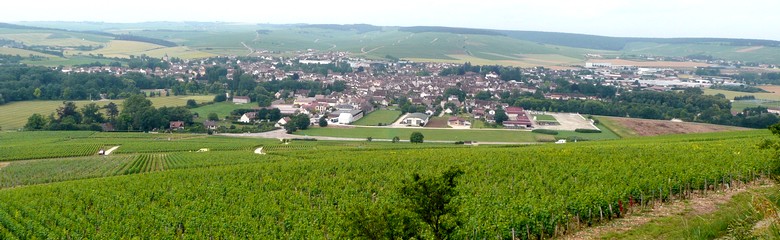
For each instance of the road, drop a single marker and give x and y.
(282, 134)
(247, 47)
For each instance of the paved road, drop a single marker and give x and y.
(282, 134)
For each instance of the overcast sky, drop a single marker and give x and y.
(635, 18)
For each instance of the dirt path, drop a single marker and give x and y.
(4, 164)
(750, 49)
(248, 48)
(110, 150)
(698, 204)
(363, 50)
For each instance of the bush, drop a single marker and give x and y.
(545, 138)
(576, 139)
(583, 130)
(545, 131)
(303, 139)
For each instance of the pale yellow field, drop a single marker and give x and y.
(119, 48)
(179, 52)
(24, 53)
(14, 115)
(123, 49)
(43, 39)
(773, 94)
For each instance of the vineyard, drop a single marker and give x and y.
(303, 190)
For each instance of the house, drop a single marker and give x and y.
(248, 117)
(458, 122)
(282, 122)
(416, 119)
(241, 100)
(107, 127)
(176, 125)
(210, 125)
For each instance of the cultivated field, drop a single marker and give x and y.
(158, 186)
(629, 127)
(14, 115)
(124, 49)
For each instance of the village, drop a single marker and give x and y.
(455, 101)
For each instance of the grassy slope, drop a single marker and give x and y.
(379, 116)
(691, 225)
(15, 114)
(307, 192)
(767, 54)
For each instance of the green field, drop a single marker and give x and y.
(222, 109)
(158, 186)
(606, 134)
(374, 118)
(14, 115)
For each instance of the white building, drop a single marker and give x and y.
(416, 119)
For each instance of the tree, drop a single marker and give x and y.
(111, 110)
(220, 98)
(35, 122)
(213, 117)
(91, 113)
(37, 93)
(500, 116)
(396, 139)
(290, 127)
(417, 137)
(323, 121)
(69, 110)
(191, 103)
(301, 121)
(139, 113)
(483, 95)
(431, 198)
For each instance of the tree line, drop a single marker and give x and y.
(21, 83)
(690, 105)
(137, 114)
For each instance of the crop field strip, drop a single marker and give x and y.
(539, 190)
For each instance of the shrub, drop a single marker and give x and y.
(583, 130)
(545, 131)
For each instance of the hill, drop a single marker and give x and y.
(158, 186)
(422, 43)
(55, 47)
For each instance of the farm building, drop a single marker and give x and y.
(241, 100)
(416, 119)
(211, 125)
(345, 116)
(282, 122)
(458, 122)
(176, 125)
(248, 117)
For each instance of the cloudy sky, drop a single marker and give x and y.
(636, 18)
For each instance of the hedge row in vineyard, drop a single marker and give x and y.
(539, 191)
